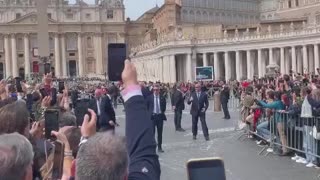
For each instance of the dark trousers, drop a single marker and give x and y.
(158, 125)
(225, 109)
(115, 101)
(177, 119)
(195, 119)
(103, 127)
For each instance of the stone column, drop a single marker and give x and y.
(271, 56)
(241, 64)
(299, 61)
(216, 66)
(57, 55)
(64, 56)
(287, 60)
(205, 59)
(311, 58)
(189, 67)
(98, 53)
(7, 56)
(238, 64)
(294, 59)
(173, 70)
(26, 56)
(305, 59)
(316, 57)
(80, 55)
(249, 65)
(260, 70)
(227, 65)
(15, 72)
(282, 64)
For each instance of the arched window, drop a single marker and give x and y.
(205, 16)
(198, 16)
(191, 16)
(89, 42)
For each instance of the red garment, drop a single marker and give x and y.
(256, 116)
(245, 84)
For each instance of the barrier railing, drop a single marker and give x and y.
(285, 132)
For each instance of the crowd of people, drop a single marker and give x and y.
(91, 150)
(280, 112)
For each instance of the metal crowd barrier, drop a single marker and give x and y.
(287, 132)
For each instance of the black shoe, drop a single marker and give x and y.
(194, 137)
(207, 138)
(181, 130)
(160, 150)
(226, 118)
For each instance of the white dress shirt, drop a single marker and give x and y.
(156, 101)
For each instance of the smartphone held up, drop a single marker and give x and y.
(206, 169)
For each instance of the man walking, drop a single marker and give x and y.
(178, 107)
(102, 106)
(156, 104)
(224, 98)
(199, 105)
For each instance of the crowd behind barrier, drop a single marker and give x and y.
(283, 116)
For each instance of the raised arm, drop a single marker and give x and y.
(272, 105)
(144, 162)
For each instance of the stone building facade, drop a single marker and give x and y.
(285, 33)
(79, 35)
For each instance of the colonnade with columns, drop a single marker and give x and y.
(59, 60)
(229, 64)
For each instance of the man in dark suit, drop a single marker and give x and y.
(178, 106)
(102, 106)
(157, 104)
(199, 105)
(224, 98)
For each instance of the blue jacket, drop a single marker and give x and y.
(276, 105)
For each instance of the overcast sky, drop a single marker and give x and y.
(135, 8)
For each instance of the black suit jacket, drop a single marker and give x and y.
(198, 104)
(178, 100)
(225, 95)
(107, 112)
(163, 106)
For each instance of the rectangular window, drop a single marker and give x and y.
(69, 16)
(72, 54)
(88, 16)
(49, 16)
(318, 19)
(18, 15)
(1, 44)
(110, 14)
(289, 4)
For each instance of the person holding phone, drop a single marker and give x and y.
(199, 105)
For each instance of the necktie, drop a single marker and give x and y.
(198, 95)
(157, 106)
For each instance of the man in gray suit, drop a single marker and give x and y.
(199, 105)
